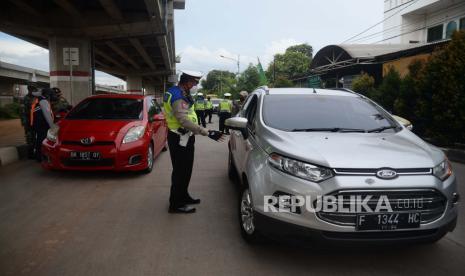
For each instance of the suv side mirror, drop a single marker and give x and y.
(238, 123)
(406, 123)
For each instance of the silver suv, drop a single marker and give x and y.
(334, 165)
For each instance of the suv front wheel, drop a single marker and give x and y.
(246, 217)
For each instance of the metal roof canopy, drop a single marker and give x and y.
(334, 57)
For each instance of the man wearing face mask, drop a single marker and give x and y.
(183, 126)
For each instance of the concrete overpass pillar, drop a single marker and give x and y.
(134, 84)
(149, 88)
(71, 70)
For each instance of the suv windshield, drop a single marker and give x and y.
(107, 109)
(324, 113)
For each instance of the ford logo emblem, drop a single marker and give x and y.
(87, 141)
(386, 174)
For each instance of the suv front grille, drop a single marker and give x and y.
(430, 203)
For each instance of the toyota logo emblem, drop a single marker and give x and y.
(87, 141)
(386, 174)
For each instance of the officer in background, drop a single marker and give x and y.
(225, 112)
(61, 105)
(42, 119)
(209, 110)
(199, 107)
(183, 126)
(29, 134)
(237, 106)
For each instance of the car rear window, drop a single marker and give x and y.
(300, 112)
(108, 109)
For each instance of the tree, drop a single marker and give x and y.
(283, 82)
(364, 84)
(388, 91)
(217, 81)
(410, 96)
(443, 84)
(294, 63)
(302, 48)
(289, 65)
(249, 80)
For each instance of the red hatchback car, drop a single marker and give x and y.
(107, 132)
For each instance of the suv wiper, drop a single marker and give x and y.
(333, 129)
(379, 129)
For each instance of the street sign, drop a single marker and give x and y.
(314, 82)
(71, 54)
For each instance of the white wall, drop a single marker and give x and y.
(408, 20)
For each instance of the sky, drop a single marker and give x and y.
(207, 29)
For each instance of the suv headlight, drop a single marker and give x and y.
(52, 133)
(299, 169)
(134, 134)
(443, 170)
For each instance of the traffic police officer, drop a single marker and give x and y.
(182, 123)
(199, 107)
(42, 119)
(225, 112)
(209, 110)
(29, 134)
(61, 106)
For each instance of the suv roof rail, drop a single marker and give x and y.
(350, 91)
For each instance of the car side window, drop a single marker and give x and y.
(245, 106)
(153, 107)
(251, 112)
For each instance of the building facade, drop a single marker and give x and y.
(421, 21)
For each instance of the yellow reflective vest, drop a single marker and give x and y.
(173, 123)
(225, 106)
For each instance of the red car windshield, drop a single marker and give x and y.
(108, 109)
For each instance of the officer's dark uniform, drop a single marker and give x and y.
(40, 126)
(26, 123)
(179, 104)
(199, 107)
(225, 113)
(209, 110)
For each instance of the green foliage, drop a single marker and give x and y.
(283, 82)
(302, 48)
(388, 91)
(443, 85)
(217, 81)
(249, 80)
(10, 111)
(294, 63)
(363, 84)
(431, 96)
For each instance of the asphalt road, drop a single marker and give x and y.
(62, 223)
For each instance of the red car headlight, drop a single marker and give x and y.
(134, 134)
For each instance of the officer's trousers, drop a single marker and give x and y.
(208, 113)
(201, 117)
(40, 135)
(182, 160)
(223, 117)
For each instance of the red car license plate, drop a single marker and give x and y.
(85, 155)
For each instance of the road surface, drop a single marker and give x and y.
(62, 223)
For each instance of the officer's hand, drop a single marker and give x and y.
(216, 135)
